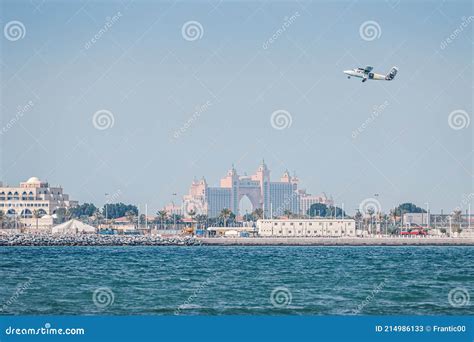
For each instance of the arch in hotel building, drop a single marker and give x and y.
(244, 202)
(26, 213)
(252, 194)
(11, 212)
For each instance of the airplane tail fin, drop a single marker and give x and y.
(391, 75)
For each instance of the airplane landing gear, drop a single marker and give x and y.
(348, 77)
(364, 79)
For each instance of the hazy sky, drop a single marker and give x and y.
(134, 59)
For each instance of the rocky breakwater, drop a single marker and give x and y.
(95, 240)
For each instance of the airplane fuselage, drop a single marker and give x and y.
(362, 74)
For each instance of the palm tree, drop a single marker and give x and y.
(69, 213)
(225, 214)
(176, 219)
(2, 218)
(98, 216)
(36, 215)
(162, 214)
(192, 213)
(457, 220)
(393, 215)
(385, 219)
(201, 219)
(371, 212)
(61, 214)
(258, 214)
(358, 218)
(378, 219)
(287, 213)
(142, 219)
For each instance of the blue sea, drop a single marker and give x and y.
(228, 280)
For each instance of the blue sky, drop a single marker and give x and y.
(151, 79)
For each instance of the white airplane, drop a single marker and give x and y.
(367, 74)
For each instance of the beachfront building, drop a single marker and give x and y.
(307, 200)
(420, 219)
(320, 227)
(33, 196)
(230, 231)
(274, 197)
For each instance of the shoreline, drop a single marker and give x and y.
(39, 240)
(339, 241)
(86, 240)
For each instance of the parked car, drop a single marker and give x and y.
(414, 230)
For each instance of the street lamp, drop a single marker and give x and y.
(106, 202)
(378, 217)
(174, 214)
(427, 215)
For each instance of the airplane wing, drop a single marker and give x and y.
(368, 69)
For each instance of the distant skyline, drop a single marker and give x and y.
(137, 98)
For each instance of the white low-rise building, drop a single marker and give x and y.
(306, 227)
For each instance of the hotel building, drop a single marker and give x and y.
(33, 195)
(307, 200)
(306, 228)
(274, 197)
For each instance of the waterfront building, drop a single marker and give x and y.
(318, 227)
(33, 195)
(307, 200)
(421, 219)
(231, 231)
(274, 197)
